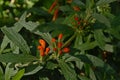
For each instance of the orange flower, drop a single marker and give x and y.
(65, 50)
(59, 44)
(41, 50)
(60, 36)
(52, 6)
(53, 39)
(60, 52)
(54, 49)
(76, 8)
(55, 14)
(47, 50)
(42, 43)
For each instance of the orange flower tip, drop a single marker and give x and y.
(47, 50)
(60, 52)
(66, 50)
(76, 8)
(60, 36)
(78, 23)
(53, 39)
(59, 44)
(42, 42)
(76, 18)
(39, 47)
(54, 49)
(69, 1)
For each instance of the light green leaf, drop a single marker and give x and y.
(101, 19)
(67, 71)
(103, 2)
(9, 72)
(17, 39)
(109, 48)
(4, 43)
(92, 74)
(19, 75)
(16, 58)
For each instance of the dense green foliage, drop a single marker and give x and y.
(59, 39)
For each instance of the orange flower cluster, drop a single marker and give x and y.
(59, 44)
(42, 48)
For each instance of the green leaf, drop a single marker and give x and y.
(19, 75)
(109, 48)
(78, 2)
(67, 71)
(83, 77)
(51, 65)
(51, 27)
(78, 41)
(4, 43)
(43, 78)
(16, 38)
(101, 19)
(99, 63)
(99, 37)
(103, 2)
(16, 58)
(87, 46)
(30, 70)
(9, 72)
(1, 74)
(92, 74)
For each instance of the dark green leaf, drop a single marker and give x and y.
(67, 71)
(53, 27)
(103, 2)
(1, 74)
(102, 19)
(78, 2)
(17, 39)
(16, 58)
(99, 37)
(87, 46)
(30, 70)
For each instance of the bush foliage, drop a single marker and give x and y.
(59, 39)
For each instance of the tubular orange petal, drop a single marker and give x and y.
(53, 39)
(65, 50)
(47, 50)
(59, 44)
(52, 6)
(60, 36)
(42, 43)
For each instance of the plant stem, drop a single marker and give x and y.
(70, 39)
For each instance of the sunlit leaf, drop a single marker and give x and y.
(19, 75)
(17, 39)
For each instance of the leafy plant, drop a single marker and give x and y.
(80, 43)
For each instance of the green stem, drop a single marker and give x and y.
(70, 39)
